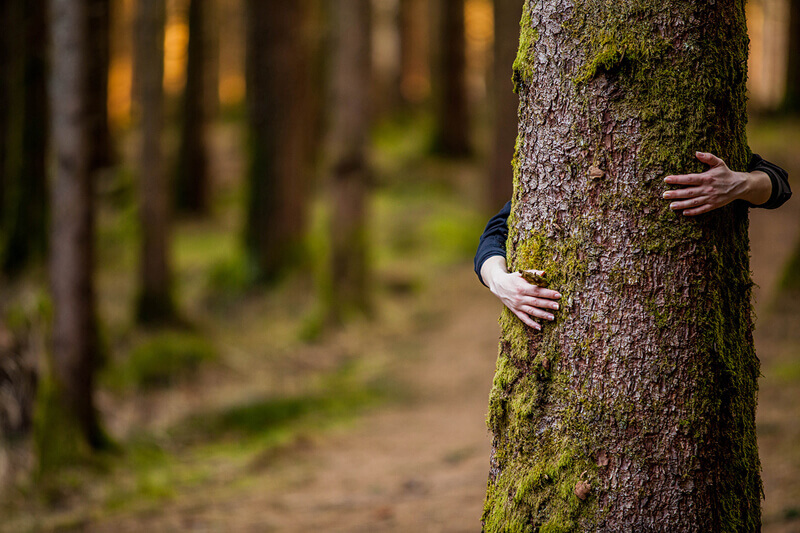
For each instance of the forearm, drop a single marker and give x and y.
(757, 187)
(492, 268)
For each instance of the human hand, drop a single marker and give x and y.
(525, 300)
(709, 190)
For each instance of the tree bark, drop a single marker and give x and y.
(349, 167)
(74, 339)
(155, 298)
(191, 173)
(24, 210)
(452, 116)
(278, 169)
(792, 98)
(635, 409)
(506, 38)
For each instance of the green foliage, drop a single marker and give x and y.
(790, 281)
(161, 360)
(273, 419)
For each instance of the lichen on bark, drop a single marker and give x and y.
(643, 390)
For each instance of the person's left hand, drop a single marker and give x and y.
(714, 188)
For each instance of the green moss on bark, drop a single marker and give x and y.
(686, 93)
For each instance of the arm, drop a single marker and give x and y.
(764, 185)
(523, 299)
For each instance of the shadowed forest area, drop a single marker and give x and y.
(236, 242)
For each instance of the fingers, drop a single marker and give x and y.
(691, 203)
(709, 159)
(689, 192)
(536, 312)
(705, 208)
(541, 292)
(527, 320)
(685, 179)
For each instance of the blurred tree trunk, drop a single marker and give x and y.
(191, 173)
(349, 167)
(452, 116)
(155, 298)
(792, 98)
(278, 171)
(68, 408)
(211, 34)
(414, 43)
(5, 82)
(506, 38)
(99, 13)
(636, 408)
(24, 210)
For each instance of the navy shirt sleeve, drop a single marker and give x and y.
(779, 178)
(493, 239)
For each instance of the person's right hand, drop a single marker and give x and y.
(525, 300)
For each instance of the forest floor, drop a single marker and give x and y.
(377, 427)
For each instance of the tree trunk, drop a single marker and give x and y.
(99, 13)
(211, 35)
(278, 173)
(792, 98)
(74, 340)
(452, 115)
(415, 82)
(635, 409)
(506, 38)
(191, 173)
(349, 167)
(25, 197)
(155, 299)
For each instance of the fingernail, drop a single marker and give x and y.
(672, 206)
(537, 327)
(550, 317)
(665, 195)
(558, 295)
(556, 307)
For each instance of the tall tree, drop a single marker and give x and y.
(99, 27)
(70, 404)
(155, 298)
(191, 173)
(452, 136)
(278, 169)
(349, 168)
(635, 409)
(414, 56)
(506, 38)
(24, 207)
(792, 98)
(211, 35)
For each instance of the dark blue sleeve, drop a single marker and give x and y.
(493, 239)
(779, 178)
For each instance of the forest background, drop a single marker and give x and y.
(279, 325)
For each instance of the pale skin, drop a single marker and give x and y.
(700, 193)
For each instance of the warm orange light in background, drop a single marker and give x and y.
(479, 31)
(176, 41)
(768, 28)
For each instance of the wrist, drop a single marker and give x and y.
(492, 269)
(757, 188)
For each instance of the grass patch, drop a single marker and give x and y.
(273, 420)
(161, 360)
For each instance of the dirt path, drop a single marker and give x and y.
(422, 465)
